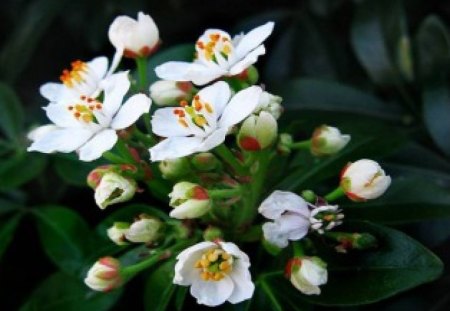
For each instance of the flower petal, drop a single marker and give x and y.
(240, 106)
(212, 293)
(52, 91)
(61, 140)
(185, 273)
(39, 132)
(131, 111)
(304, 286)
(247, 61)
(59, 114)
(217, 96)
(99, 66)
(175, 147)
(213, 140)
(115, 88)
(165, 124)
(182, 71)
(287, 227)
(101, 142)
(254, 38)
(243, 285)
(282, 201)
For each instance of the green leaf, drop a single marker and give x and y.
(398, 264)
(406, 200)
(12, 116)
(434, 55)
(72, 170)
(317, 95)
(65, 238)
(21, 168)
(7, 229)
(63, 292)
(159, 288)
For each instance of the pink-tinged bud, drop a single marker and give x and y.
(135, 38)
(114, 188)
(205, 161)
(364, 180)
(170, 93)
(258, 132)
(189, 201)
(307, 274)
(328, 140)
(104, 275)
(95, 176)
(146, 229)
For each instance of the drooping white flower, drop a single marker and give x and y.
(218, 55)
(134, 38)
(216, 272)
(88, 126)
(328, 140)
(104, 275)
(203, 125)
(114, 188)
(307, 274)
(364, 180)
(290, 215)
(83, 79)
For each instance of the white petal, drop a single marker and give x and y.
(99, 66)
(175, 147)
(39, 132)
(217, 95)
(247, 61)
(101, 142)
(212, 293)
(185, 273)
(52, 91)
(304, 286)
(165, 124)
(213, 140)
(115, 88)
(131, 111)
(313, 273)
(243, 285)
(254, 38)
(241, 106)
(287, 227)
(115, 62)
(183, 71)
(232, 249)
(148, 30)
(282, 201)
(61, 140)
(59, 114)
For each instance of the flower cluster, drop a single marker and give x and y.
(214, 139)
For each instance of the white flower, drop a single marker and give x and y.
(327, 140)
(291, 218)
(116, 233)
(325, 218)
(144, 230)
(104, 275)
(114, 188)
(216, 272)
(134, 38)
(364, 180)
(218, 55)
(307, 274)
(189, 201)
(84, 78)
(202, 125)
(258, 132)
(170, 93)
(88, 126)
(270, 103)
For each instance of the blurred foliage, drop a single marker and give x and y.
(377, 69)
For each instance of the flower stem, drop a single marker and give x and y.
(298, 249)
(224, 193)
(225, 153)
(141, 63)
(306, 144)
(113, 158)
(147, 139)
(335, 194)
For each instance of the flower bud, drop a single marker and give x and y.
(364, 180)
(95, 176)
(114, 188)
(269, 103)
(174, 169)
(104, 275)
(325, 218)
(117, 232)
(136, 38)
(189, 201)
(205, 161)
(307, 274)
(309, 196)
(328, 140)
(144, 230)
(284, 143)
(258, 132)
(348, 241)
(170, 93)
(212, 234)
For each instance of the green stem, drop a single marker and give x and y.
(124, 151)
(147, 123)
(224, 193)
(141, 63)
(113, 158)
(298, 249)
(305, 144)
(223, 152)
(335, 194)
(147, 139)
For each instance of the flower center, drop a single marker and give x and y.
(212, 44)
(196, 112)
(214, 265)
(74, 76)
(84, 110)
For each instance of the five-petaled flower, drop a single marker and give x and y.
(218, 55)
(202, 125)
(87, 125)
(217, 272)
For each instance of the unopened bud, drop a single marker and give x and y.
(309, 196)
(114, 188)
(328, 140)
(307, 274)
(117, 232)
(144, 230)
(205, 161)
(269, 103)
(170, 93)
(284, 143)
(212, 234)
(189, 201)
(104, 275)
(258, 132)
(95, 176)
(174, 169)
(349, 241)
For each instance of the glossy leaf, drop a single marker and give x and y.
(7, 229)
(12, 116)
(21, 168)
(159, 288)
(72, 170)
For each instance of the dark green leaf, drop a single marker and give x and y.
(406, 200)
(398, 264)
(7, 228)
(72, 170)
(180, 297)
(20, 169)
(159, 287)
(11, 116)
(63, 292)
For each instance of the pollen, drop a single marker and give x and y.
(72, 77)
(214, 265)
(84, 110)
(200, 121)
(208, 108)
